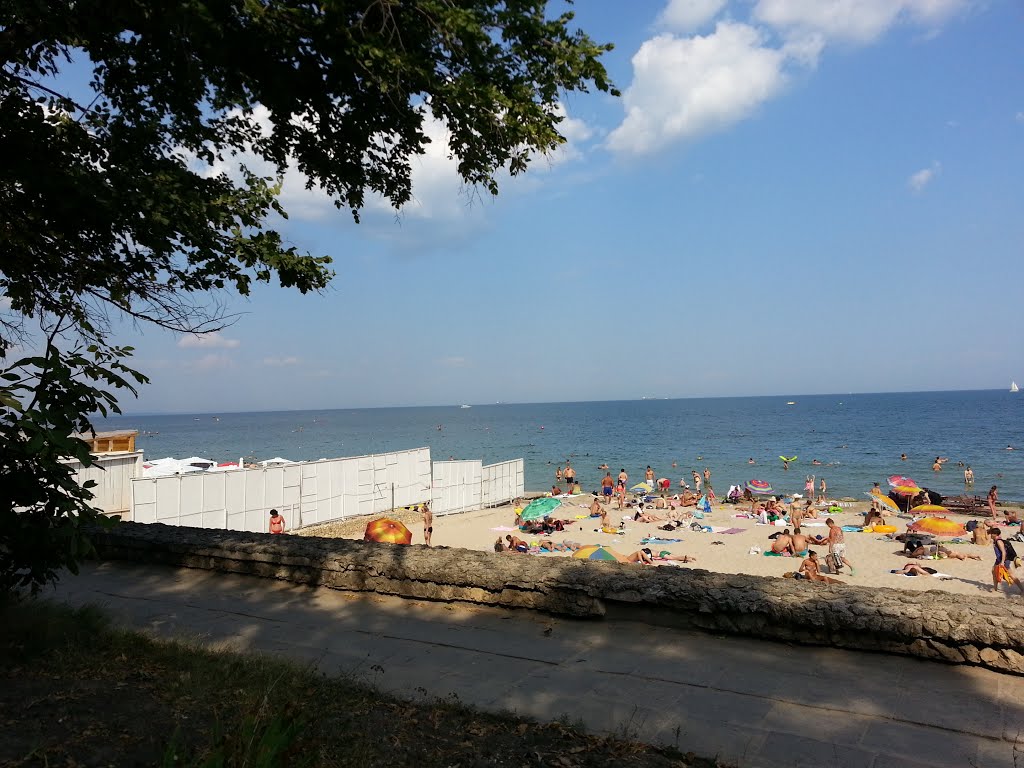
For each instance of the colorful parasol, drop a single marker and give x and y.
(885, 502)
(759, 486)
(641, 488)
(940, 526)
(539, 508)
(599, 552)
(387, 531)
(895, 480)
(907, 490)
(928, 510)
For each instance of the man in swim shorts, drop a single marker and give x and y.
(607, 486)
(837, 543)
(799, 542)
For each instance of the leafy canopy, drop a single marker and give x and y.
(109, 204)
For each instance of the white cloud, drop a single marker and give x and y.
(858, 21)
(208, 341)
(438, 192)
(280, 362)
(211, 362)
(688, 15)
(918, 181)
(687, 87)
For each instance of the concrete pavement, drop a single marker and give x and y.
(753, 703)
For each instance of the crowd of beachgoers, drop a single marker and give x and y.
(895, 536)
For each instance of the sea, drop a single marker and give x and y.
(857, 438)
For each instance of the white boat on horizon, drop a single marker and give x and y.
(465, 406)
(1014, 387)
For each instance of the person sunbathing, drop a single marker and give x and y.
(666, 555)
(800, 543)
(641, 556)
(550, 546)
(811, 570)
(643, 516)
(874, 517)
(954, 555)
(783, 544)
(515, 544)
(913, 569)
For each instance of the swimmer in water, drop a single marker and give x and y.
(751, 460)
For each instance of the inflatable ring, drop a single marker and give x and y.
(884, 528)
(866, 529)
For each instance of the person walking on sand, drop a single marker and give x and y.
(993, 497)
(837, 544)
(1002, 569)
(277, 522)
(428, 523)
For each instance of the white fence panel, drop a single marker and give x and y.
(502, 482)
(305, 493)
(456, 486)
(113, 474)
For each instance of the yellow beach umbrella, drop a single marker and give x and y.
(885, 501)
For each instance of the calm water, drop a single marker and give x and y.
(858, 437)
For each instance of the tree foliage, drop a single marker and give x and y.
(110, 205)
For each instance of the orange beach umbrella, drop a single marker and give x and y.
(387, 531)
(940, 526)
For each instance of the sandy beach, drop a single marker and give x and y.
(872, 555)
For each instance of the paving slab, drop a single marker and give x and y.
(756, 704)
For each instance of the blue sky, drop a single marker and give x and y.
(792, 197)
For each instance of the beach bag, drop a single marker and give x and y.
(835, 561)
(696, 527)
(1011, 553)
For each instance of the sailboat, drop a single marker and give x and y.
(1014, 387)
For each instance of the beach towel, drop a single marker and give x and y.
(935, 575)
(715, 529)
(812, 524)
(852, 528)
(645, 540)
(504, 528)
(777, 554)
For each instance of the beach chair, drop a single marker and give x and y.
(975, 506)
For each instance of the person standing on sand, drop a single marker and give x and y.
(823, 487)
(623, 476)
(277, 522)
(696, 481)
(993, 497)
(607, 486)
(428, 523)
(968, 477)
(837, 544)
(570, 475)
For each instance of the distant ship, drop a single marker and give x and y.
(1014, 387)
(791, 403)
(465, 406)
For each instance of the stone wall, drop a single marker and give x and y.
(933, 625)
